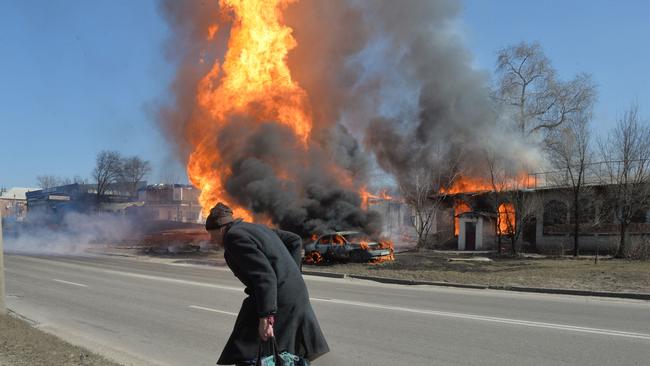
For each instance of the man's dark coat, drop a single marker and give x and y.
(267, 262)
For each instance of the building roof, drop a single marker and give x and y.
(164, 186)
(17, 193)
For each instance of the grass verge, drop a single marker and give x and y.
(23, 345)
(562, 273)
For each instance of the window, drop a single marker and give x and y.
(639, 217)
(586, 212)
(555, 213)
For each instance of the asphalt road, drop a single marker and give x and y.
(145, 313)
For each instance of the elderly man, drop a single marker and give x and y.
(267, 262)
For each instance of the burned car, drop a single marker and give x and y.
(347, 246)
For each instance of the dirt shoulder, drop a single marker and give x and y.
(426, 265)
(23, 345)
(559, 273)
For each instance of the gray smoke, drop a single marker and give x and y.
(313, 200)
(301, 192)
(391, 74)
(452, 113)
(76, 234)
(399, 77)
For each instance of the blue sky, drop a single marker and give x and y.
(77, 77)
(608, 39)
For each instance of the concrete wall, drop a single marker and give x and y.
(397, 221)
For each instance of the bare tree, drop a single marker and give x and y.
(497, 174)
(77, 179)
(626, 155)
(108, 169)
(48, 181)
(513, 204)
(528, 84)
(516, 212)
(74, 180)
(133, 171)
(425, 192)
(569, 151)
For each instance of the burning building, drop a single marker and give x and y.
(476, 217)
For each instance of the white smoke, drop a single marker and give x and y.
(76, 234)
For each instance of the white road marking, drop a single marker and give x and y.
(69, 283)
(491, 319)
(135, 275)
(173, 280)
(212, 310)
(378, 306)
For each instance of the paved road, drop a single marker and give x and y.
(146, 313)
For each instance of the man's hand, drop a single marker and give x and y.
(266, 328)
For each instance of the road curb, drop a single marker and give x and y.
(397, 281)
(325, 274)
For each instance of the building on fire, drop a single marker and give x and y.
(469, 221)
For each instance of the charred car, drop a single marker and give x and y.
(346, 246)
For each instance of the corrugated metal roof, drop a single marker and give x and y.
(17, 193)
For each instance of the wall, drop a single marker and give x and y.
(397, 221)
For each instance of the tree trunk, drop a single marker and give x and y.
(513, 242)
(496, 230)
(576, 225)
(620, 253)
(420, 244)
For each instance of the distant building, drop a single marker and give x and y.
(174, 202)
(53, 203)
(13, 202)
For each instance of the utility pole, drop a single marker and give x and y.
(3, 307)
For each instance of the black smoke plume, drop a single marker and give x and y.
(392, 74)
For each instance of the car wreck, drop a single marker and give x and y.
(344, 246)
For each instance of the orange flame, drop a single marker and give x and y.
(506, 218)
(459, 208)
(385, 244)
(476, 184)
(366, 196)
(364, 244)
(212, 31)
(254, 80)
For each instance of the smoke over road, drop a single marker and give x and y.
(74, 235)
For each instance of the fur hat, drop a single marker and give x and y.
(220, 215)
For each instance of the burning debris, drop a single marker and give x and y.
(347, 246)
(175, 240)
